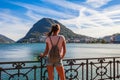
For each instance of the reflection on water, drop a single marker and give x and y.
(93, 50)
(20, 52)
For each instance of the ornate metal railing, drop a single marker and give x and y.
(105, 68)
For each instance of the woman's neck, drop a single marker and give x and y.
(55, 34)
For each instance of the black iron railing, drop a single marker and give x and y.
(106, 68)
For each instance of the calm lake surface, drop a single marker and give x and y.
(29, 52)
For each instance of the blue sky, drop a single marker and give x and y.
(95, 18)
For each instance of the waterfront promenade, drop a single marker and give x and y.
(104, 68)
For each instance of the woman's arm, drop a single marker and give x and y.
(64, 48)
(45, 51)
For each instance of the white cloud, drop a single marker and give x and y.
(112, 11)
(33, 16)
(65, 4)
(98, 31)
(37, 10)
(13, 27)
(97, 23)
(97, 3)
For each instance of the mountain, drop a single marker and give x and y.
(36, 33)
(4, 39)
(115, 38)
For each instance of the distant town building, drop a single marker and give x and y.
(115, 38)
(42, 38)
(107, 39)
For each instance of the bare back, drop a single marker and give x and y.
(54, 41)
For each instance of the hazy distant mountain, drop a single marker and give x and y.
(43, 25)
(115, 38)
(4, 39)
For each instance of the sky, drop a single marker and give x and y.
(94, 18)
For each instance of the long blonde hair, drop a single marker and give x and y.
(54, 28)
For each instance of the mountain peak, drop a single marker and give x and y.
(4, 39)
(48, 20)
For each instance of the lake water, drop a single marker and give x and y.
(29, 52)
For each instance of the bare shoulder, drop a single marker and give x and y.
(61, 36)
(47, 39)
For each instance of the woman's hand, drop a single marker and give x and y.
(41, 55)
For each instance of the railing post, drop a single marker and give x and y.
(35, 67)
(41, 60)
(0, 73)
(113, 68)
(87, 69)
